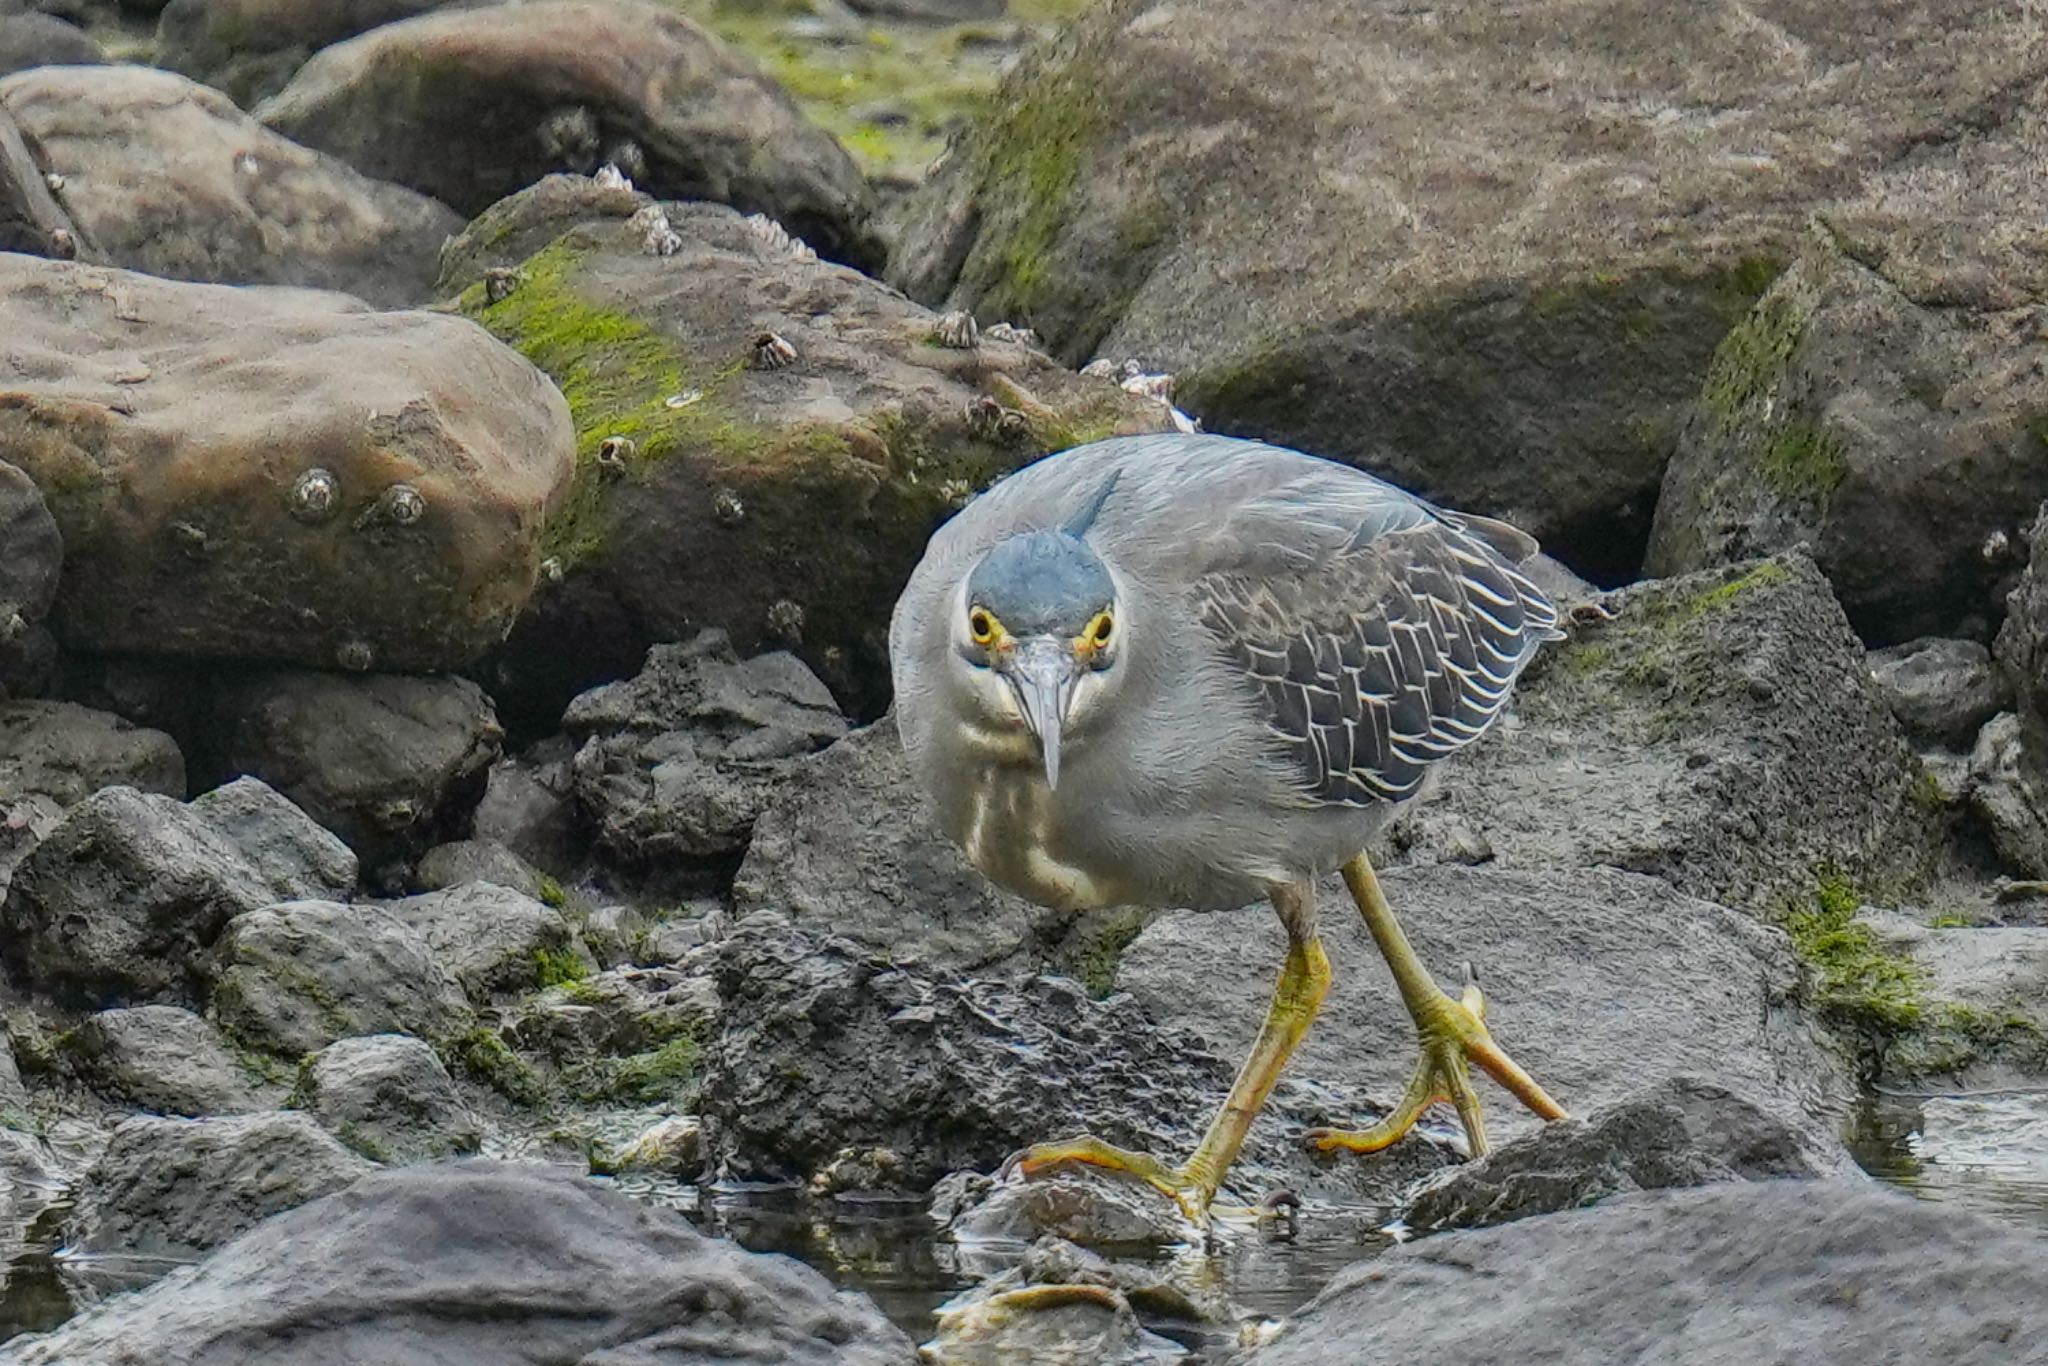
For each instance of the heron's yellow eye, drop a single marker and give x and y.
(982, 627)
(1100, 630)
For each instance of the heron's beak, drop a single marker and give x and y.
(1042, 673)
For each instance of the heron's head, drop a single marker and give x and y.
(1039, 630)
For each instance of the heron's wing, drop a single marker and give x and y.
(1380, 633)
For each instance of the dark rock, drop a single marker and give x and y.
(388, 1097)
(1682, 1132)
(67, 753)
(785, 503)
(567, 85)
(415, 538)
(494, 939)
(127, 893)
(678, 762)
(1880, 404)
(936, 11)
(529, 806)
(452, 864)
(1596, 982)
(24, 822)
(298, 976)
(167, 1188)
(822, 1047)
(161, 1058)
(1722, 732)
(1507, 298)
(392, 763)
(1942, 691)
(251, 48)
(850, 849)
(31, 553)
(28, 40)
(1830, 1273)
(501, 1265)
(169, 178)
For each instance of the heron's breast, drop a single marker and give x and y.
(1014, 831)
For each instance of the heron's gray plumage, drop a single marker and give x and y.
(1300, 643)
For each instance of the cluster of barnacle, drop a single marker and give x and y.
(657, 237)
(777, 239)
(315, 496)
(959, 331)
(1134, 378)
(990, 420)
(771, 352)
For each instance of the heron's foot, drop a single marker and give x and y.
(1189, 1191)
(1454, 1036)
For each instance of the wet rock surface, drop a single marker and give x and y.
(163, 1059)
(176, 1187)
(1684, 1132)
(389, 1098)
(127, 893)
(67, 752)
(165, 176)
(720, 483)
(1825, 1271)
(569, 85)
(1459, 314)
(391, 763)
(501, 1263)
(402, 533)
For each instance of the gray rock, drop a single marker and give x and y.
(28, 40)
(616, 1014)
(1722, 732)
(23, 824)
(783, 503)
(2022, 645)
(529, 806)
(372, 497)
(388, 1097)
(850, 848)
(31, 219)
(251, 48)
(128, 892)
(1877, 405)
(392, 763)
(1597, 982)
(68, 752)
(31, 554)
(168, 177)
(493, 939)
(1942, 691)
(1076, 1206)
(13, 1095)
(1507, 297)
(564, 85)
(298, 976)
(1980, 1005)
(175, 1187)
(1681, 1132)
(459, 861)
(503, 1264)
(1813, 1271)
(822, 1047)
(2008, 794)
(163, 1059)
(681, 759)
(1061, 1304)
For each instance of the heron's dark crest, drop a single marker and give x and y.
(1046, 581)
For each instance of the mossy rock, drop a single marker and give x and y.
(785, 503)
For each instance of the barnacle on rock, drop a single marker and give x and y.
(772, 352)
(402, 504)
(569, 137)
(786, 621)
(610, 177)
(551, 570)
(657, 237)
(501, 281)
(777, 239)
(315, 496)
(613, 453)
(626, 161)
(1011, 333)
(191, 537)
(63, 246)
(727, 508)
(355, 655)
(957, 330)
(55, 181)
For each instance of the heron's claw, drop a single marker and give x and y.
(1454, 1035)
(1190, 1193)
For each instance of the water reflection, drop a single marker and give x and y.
(1986, 1150)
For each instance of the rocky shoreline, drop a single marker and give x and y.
(456, 465)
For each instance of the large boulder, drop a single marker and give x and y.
(1823, 1272)
(679, 761)
(1500, 268)
(765, 440)
(168, 177)
(297, 976)
(371, 496)
(251, 48)
(480, 1264)
(124, 898)
(167, 1188)
(1722, 732)
(1598, 983)
(1884, 402)
(567, 85)
(68, 752)
(850, 848)
(393, 763)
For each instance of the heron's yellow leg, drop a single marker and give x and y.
(1304, 980)
(1453, 1032)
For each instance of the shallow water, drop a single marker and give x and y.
(1987, 1150)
